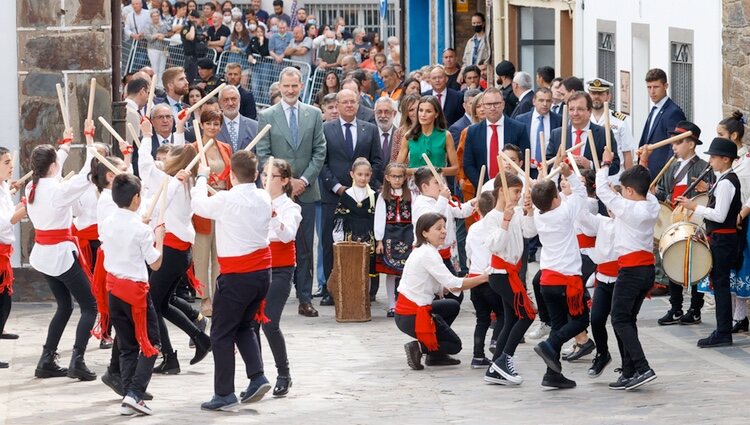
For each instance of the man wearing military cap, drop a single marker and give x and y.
(601, 93)
(207, 78)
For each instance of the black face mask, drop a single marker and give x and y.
(478, 28)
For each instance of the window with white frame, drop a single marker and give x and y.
(356, 13)
(606, 62)
(681, 80)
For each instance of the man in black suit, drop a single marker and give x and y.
(363, 112)
(450, 100)
(539, 119)
(579, 111)
(662, 119)
(385, 113)
(522, 89)
(346, 140)
(505, 71)
(467, 119)
(233, 75)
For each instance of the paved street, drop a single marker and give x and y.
(357, 374)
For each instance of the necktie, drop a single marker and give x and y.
(440, 99)
(494, 151)
(649, 122)
(385, 143)
(293, 126)
(348, 139)
(233, 134)
(577, 152)
(539, 128)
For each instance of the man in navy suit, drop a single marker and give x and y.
(451, 100)
(663, 118)
(467, 119)
(522, 89)
(539, 119)
(233, 75)
(347, 139)
(363, 112)
(236, 130)
(483, 144)
(579, 111)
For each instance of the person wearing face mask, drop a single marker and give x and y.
(328, 52)
(477, 48)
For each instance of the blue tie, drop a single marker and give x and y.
(348, 139)
(293, 127)
(649, 124)
(540, 127)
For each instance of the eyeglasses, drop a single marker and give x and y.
(163, 117)
(492, 104)
(397, 176)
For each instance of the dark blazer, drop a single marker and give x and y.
(453, 106)
(365, 113)
(338, 163)
(525, 104)
(154, 146)
(458, 127)
(475, 151)
(666, 120)
(510, 100)
(387, 152)
(245, 133)
(247, 104)
(600, 140)
(555, 121)
(665, 186)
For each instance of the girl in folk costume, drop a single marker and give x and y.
(285, 220)
(177, 243)
(394, 232)
(733, 128)
(355, 213)
(57, 256)
(9, 215)
(418, 313)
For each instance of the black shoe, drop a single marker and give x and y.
(692, 317)
(48, 367)
(413, 355)
(741, 326)
(6, 335)
(547, 353)
(201, 322)
(169, 364)
(4, 365)
(283, 383)
(493, 346)
(621, 383)
(307, 310)
(255, 391)
(581, 350)
(671, 318)
(640, 379)
(505, 367)
(78, 368)
(372, 298)
(480, 363)
(327, 300)
(597, 366)
(202, 347)
(556, 381)
(391, 313)
(113, 381)
(715, 340)
(441, 360)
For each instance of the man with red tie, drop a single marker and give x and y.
(485, 139)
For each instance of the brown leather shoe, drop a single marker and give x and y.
(307, 310)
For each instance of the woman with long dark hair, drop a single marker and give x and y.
(429, 135)
(331, 84)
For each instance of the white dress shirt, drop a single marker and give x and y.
(659, 105)
(477, 252)
(52, 210)
(558, 237)
(7, 209)
(84, 211)
(242, 214)
(584, 138)
(287, 110)
(500, 136)
(682, 163)
(353, 130)
(723, 192)
(425, 275)
(621, 130)
(380, 215)
(741, 167)
(128, 245)
(424, 204)
(634, 220)
(286, 221)
(507, 244)
(604, 250)
(443, 94)
(105, 207)
(535, 130)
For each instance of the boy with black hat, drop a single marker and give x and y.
(720, 217)
(684, 171)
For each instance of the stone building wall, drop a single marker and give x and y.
(66, 42)
(736, 55)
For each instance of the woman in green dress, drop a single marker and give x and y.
(429, 135)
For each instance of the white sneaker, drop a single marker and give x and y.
(125, 410)
(540, 332)
(569, 349)
(138, 405)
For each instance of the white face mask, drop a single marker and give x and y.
(252, 27)
(330, 42)
(227, 20)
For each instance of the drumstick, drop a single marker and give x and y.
(607, 128)
(157, 195)
(150, 101)
(198, 157)
(134, 135)
(198, 104)
(63, 106)
(661, 173)
(432, 168)
(594, 155)
(672, 139)
(503, 180)
(269, 174)
(543, 145)
(574, 147)
(513, 165)
(573, 164)
(481, 181)
(257, 138)
(111, 130)
(92, 95)
(527, 169)
(104, 161)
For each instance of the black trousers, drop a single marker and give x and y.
(631, 288)
(513, 326)
(5, 303)
(541, 306)
(278, 293)
(135, 368)
(564, 326)
(163, 284)
(444, 312)
(724, 254)
(676, 298)
(461, 234)
(600, 309)
(236, 300)
(73, 284)
(485, 301)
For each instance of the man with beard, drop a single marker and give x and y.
(176, 86)
(237, 130)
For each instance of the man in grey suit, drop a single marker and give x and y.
(385, 113)
(297, 136)
(238, 131)
(348, 139)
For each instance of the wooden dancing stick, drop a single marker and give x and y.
(104, 161)
(200, 153)
(150, 101)
(257, 138)
(197, 129)
(503, 180)
(513, 165)
(134, 135)
(480, 183)
(112, 131)
(527, 169)
(432, 168)
(543, 145)
(607, 127)
(574, 147)
(269, 174)
(564, 131)
(69, 176)
(155, 198)
(63, 106)
(92, 96)
(661, 173)
(672, 139)
(21, 181)
(200, 103)
(594, 155)
(554, 172)
(573, 164)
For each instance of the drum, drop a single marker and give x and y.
(685, 253)
(681, 214)
(349, 283)
(664, 220)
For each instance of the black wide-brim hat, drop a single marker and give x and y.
(722, 147)
(684, 127)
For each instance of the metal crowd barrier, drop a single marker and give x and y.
(138, 57)
(317, 82)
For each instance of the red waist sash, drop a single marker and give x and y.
(573, 289)
(283, 254)
(85, 236)
(424, 326)
(609, 269)
(585, 241)
(135, 294)
(99, 289)
(636, 259)
(520, 297)
(6, 269)
(259, 259)
(56, 236)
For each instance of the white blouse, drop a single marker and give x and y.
(425, 276)
(284, 224)
(508, 244)
(7, 209)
